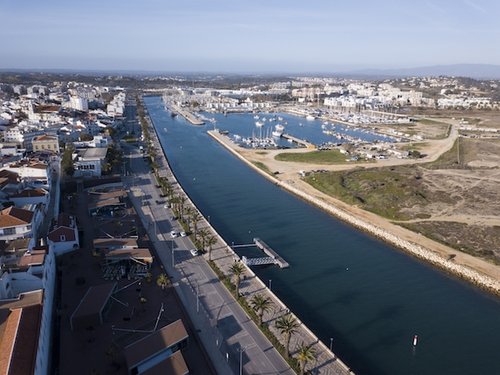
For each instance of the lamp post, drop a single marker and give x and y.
(331, 343)
(241, 350)
(172, 249)
(270, 283)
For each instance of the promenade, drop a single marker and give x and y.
(199, 281)
(232, 341)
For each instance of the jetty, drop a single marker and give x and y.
(185, 113)
(298, 141)
(272, 256)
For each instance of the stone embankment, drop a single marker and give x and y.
(474, 277)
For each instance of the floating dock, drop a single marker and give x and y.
(271, 253)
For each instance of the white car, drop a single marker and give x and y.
(193, 252)
(174, 234)
(183, 234)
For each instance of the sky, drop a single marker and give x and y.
(247, 36)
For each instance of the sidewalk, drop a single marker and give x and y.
(224, 256)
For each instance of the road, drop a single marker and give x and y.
(230, 338)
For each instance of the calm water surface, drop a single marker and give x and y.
(370, 298)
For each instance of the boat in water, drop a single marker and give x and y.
(259, 124)
(278, 130)
(310, 118)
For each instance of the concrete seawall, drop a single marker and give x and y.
(468, 274)
(327, 361)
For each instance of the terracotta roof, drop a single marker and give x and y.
(173, 365)
(155, 343)
(8, 177)
(23, 357)
(28, 193)
(114, 243)
(19, 332)
(123, 254)
(44, 138)
(31, 260)
(64, 220)
(68, 233)
(13, 216)
(19, 244)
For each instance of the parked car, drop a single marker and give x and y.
(183, 234)
(193, 252)
(174, 234)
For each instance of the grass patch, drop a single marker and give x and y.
(316, 157)
(262, 166)
(427, 121)
(388, 192)
(449, 160)
(414, 146)
(262, 152)
(471, 239)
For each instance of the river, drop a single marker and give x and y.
(370, 298)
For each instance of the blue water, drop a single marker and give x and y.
(312, 131)
(370, 298)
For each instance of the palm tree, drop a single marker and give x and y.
(203, 233)
(162, 281)
(189, 215)
(195, 217)
(210, 241)
(287, 325)
(182, 201)
(305, 355)
(237, 270)
(261, 304)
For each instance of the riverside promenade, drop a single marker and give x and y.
(326, 362)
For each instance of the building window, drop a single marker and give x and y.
(9, 230)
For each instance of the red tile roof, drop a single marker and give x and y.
(13, 216)
(28, 193)
(55, 235)
(20, 341)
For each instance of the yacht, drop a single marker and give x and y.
(259, 124)
(310, 118)
(278, 130)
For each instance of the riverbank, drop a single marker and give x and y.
(223, 256)
(474, 270)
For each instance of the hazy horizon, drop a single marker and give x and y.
(257, 37)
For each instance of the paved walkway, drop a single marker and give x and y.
(230, 338)
(222, 254)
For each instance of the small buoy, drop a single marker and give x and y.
(415, 340)
(347, 269)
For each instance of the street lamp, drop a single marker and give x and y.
(241, 350)
(270, 283)
(172, 249)
(331, 343)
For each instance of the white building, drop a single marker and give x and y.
(19, 223)
(63, 236)
(26, 299)
(79, 103)
(88, 162)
